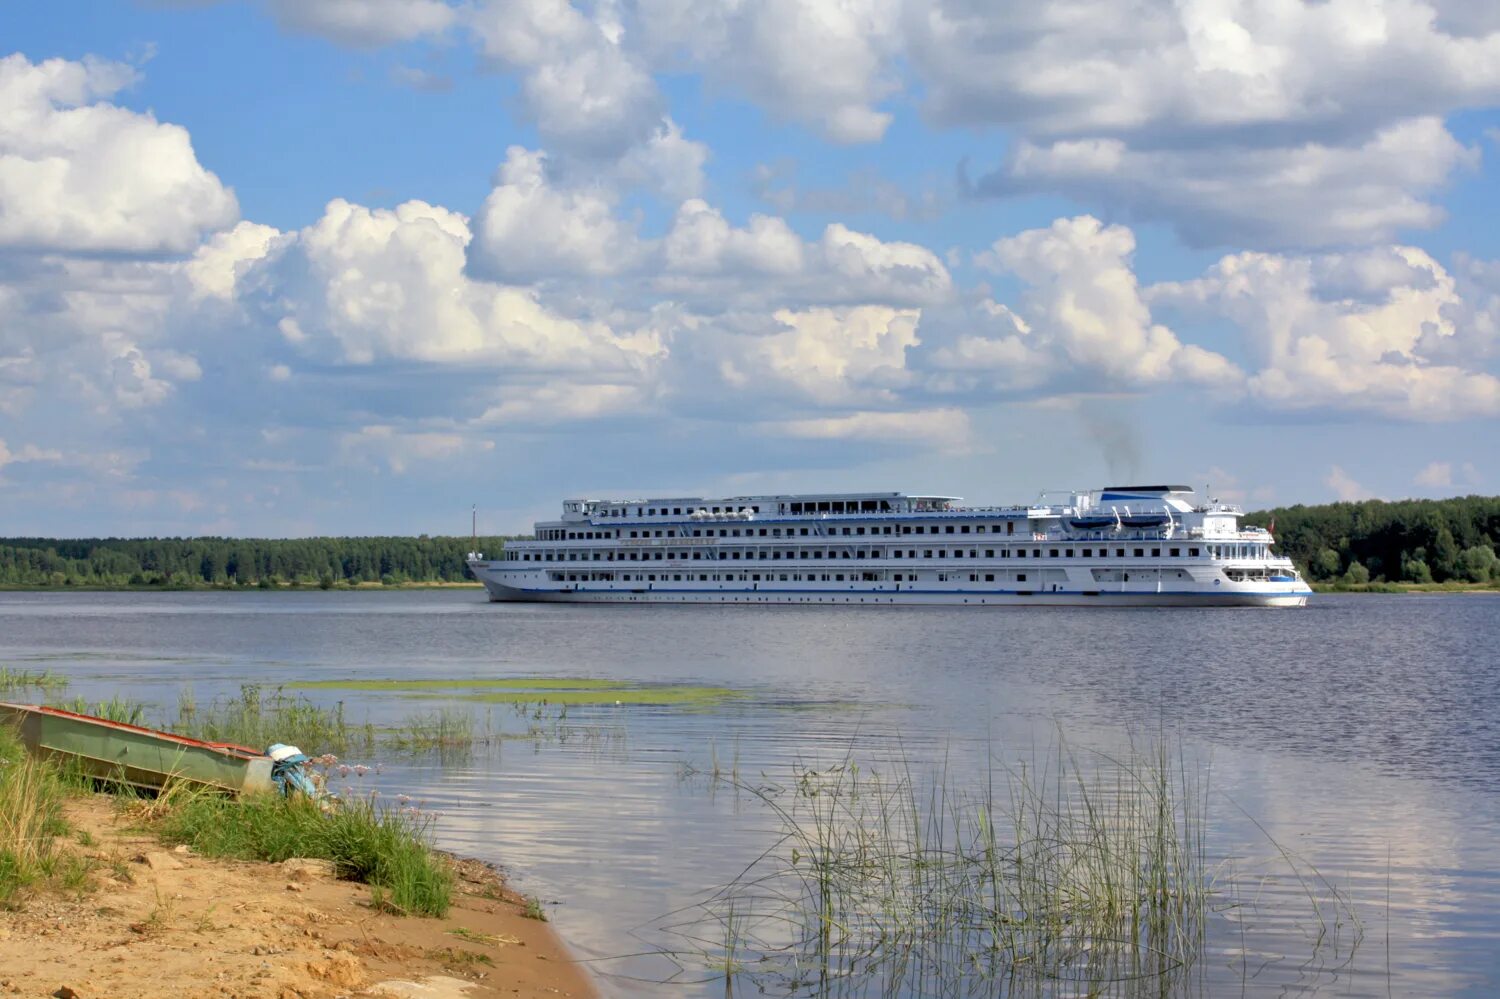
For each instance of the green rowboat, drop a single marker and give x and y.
(141, 757)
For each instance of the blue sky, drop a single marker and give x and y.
(289, 267)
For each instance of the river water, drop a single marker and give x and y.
(1349, 750)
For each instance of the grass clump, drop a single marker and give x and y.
(117, 709)
(381, 847)
(257, 719)
(31, 820)
(12, 680)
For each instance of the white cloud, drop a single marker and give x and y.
(390, 284)
(1083, 301)
(79, 174)
(704, 258)
(1344, 487)
(565, 402)
(365, 22)
(217, 265)
(667, 162)
(1437, 475)
(1312, 194)
(1373, 351)
(946, 430)
(1244, 68)
(27, 453)
(825, 64)
(529, 228)
(829, 358)
(584, 90)
(398, 449)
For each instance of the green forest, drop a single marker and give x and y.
(1406, 541)
(198, 562)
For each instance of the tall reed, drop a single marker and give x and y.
(258, 718)
(1070, 868)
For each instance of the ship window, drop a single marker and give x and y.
(839, 577)
(1140, 553)
(950, 529)
(736, 532)
(989, 553)
(989, 577)
(756, 577)
(1036, 553)
(897, 577)
(1156, 553)
(905, 528)
(973, 553)
(651, 578)
(1120, 552)
(1020, 577)
(927, 553)
(677, 511)
(1069, 553)
(857, 530)
(762, 532)
(702, 577)
(804, 532)
(1193, 552)
(979, 529)
(783, 577)
(1020, 553)
(964, 529)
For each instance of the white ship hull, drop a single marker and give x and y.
(502, 589)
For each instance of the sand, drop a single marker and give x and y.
(162, 922)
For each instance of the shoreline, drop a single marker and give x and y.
(155, 920)
(373, 587)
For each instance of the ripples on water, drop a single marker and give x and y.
(1359, 732)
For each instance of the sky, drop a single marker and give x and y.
(294, 267)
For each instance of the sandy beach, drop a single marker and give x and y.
(155, 921)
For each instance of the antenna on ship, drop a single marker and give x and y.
(474, 526)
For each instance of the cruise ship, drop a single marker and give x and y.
(1154, 545)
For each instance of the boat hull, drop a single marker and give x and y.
(1278, 596)
(140, 757)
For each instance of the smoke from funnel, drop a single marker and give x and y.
(1113, 428)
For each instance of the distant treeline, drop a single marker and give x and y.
(1417, 541)
(235, 561)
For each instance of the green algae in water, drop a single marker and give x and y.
(551, 690)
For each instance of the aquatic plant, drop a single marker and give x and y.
(549, 690)
(1070, 868)
(12, 680)
(443, 729)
